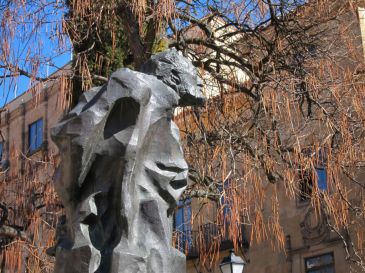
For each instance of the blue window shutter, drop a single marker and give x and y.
(35, 135)
(32, 137)
(179, 219)
(322, 179)
(39, 133)
(183, 224)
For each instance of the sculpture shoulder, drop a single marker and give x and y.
(142, 87)
(129, 79)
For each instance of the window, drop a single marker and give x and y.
(225, 206)
(308, 178)
(320, 264)
(306, 184)
(321, 179)
(35, 135)
(225, 202)
(183, 225)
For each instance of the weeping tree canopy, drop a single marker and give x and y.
(285, 79)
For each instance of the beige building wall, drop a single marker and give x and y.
(19, 114)
(307, 234)
(25, 176)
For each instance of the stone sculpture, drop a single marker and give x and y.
(122, 170)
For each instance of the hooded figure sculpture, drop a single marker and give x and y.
(122, 170)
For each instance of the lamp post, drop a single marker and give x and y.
(232, 263)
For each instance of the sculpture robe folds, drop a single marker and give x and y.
(122, 170)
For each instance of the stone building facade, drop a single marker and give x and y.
(29, 207)
(25, 124)
(25, 127)
(310, 244)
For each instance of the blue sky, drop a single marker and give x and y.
(15, 87)
(38, 43)
(32, 44)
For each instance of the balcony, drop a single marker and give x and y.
(191, 242)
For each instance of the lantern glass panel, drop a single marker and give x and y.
(226, 268)
(237, 268)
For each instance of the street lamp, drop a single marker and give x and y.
(232, 263)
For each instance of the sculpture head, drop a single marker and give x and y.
(177, 72)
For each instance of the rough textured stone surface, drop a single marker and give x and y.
(123, 169)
